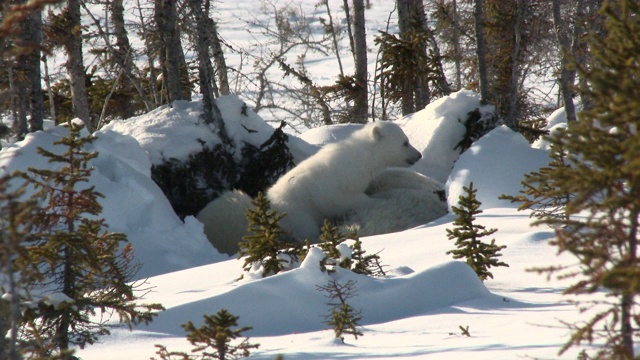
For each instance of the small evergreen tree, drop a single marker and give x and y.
(344, 319)
(357, 261)
(267, 243)
(213, 339)
(602, 222)
(83, 269)
(217, 333)
(365, 264)
(479, 255)
(330, 238)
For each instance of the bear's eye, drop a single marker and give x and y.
(406, 143)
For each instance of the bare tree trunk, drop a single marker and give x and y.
(334, 38)
(20, 102)
(456, 46)
(47, 81)
(347, 13)
(512, 112)
(33, 37)
(360, 105)
(589, 11)
(210, 111)
(153, 77)
(567, 76)
(481, 51)
(123, 54)
(75, 66)
(218, 58)
(404, 13)
(166, 19)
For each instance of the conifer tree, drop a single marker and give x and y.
(213, 339)
(216, 334)
(537, 188)
(17, 217)
(267, 242)
(330, 238)
(344, 319)
(479, 255)
(365, 264)
(601, 228)
(357, 261)
(84, 269)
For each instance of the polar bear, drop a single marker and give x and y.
(403, 199)
(333, 181)
(327, 185)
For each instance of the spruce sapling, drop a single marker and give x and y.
(267, 243)
(357, 261)
(479, 255)
(84, 270)
(344, 319)
(216, 334)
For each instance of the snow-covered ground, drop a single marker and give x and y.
(413, 312)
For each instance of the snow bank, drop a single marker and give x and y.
(174, 132)
(496, 165)
(292, 301)
(134, 205)
(438, 129)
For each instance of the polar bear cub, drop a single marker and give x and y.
(333, 181)
(403, 199)
(327, 185)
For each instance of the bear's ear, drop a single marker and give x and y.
(376, 133)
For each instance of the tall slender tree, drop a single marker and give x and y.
(602, 174)
(481, 51)
(210, 111)
(171, 53)
(75, 63)
(360, 103)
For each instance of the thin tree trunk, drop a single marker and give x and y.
(360, 106)
(166, 19)
(628, 300)
(512, 112)
(347, 13)
(75, 66)
(47, 81)
(566, 78)
(456, 46)
(12, 92)
(481, 51)
(123, 53)
(407, 102)
(33, 37)
(210, 111)
(219, 60)
(153, 77)
(334, 38)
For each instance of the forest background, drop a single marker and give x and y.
(105, 60)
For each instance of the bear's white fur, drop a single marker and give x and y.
(225, 221)
(333, 181)
(327, 185)
(403, 199)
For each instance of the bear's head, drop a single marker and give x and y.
(393, 144)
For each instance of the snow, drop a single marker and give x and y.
(414, 311)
